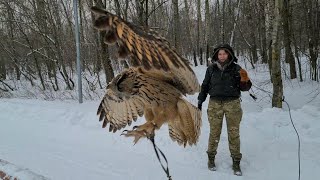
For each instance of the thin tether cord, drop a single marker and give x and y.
(297, 136)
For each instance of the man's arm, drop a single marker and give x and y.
(245, 83)
(205, 86)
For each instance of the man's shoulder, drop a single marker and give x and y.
(236, 66)
(212, 65)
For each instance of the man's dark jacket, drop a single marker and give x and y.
(223, 84)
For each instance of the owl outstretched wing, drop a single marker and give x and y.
(148, 50)
(129, 93)
(120, 105)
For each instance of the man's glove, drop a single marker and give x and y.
(200, 106)
(244, 75)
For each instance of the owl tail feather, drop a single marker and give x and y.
(190, 121)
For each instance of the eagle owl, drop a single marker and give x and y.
(153, 86)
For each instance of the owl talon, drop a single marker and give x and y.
(134, 133)
(124, 132)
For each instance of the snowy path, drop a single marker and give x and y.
(64, 140)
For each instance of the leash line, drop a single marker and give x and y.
(299, 157)
(157, 150)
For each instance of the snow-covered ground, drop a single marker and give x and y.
(64, 140)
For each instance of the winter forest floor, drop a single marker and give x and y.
(64, 140)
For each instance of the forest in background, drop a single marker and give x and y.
(38, 37)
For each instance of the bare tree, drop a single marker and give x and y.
(313, 26)
(287, 38)
(263, 30)
(104, 55)
(207, 29)
(176, 24)
(37, 36)
(276, 63)
(199, 27)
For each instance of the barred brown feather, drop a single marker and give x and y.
(147, 49)
(132, 92)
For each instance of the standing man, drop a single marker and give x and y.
(223, 81)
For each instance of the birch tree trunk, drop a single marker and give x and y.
(198, 30)
(269, 11)
(208, 35)
(235, 24)
(276, 64)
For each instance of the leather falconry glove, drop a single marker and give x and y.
(244, 75)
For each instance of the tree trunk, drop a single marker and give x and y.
(118, 12)
(3, 71)
(217, 30)
(234, 24)
(104, 55)
(207, 37)
(286, 14)
(252, 23)
(198, 26)
(299, 62)
(195, 58)
(276, 63)
(207, 55)
(125, 13)
(269, 28)
(264, 54)
(223, 22)
(10, 15)
(140, 12)
(118, 8)
(187, 26)
(176, 25)
(106, 61)
(313, 26)
(201, 56)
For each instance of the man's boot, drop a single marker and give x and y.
(211, 164)
(236, 167)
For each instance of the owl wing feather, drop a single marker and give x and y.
(119, 114)
(121, 104)
(128, 94)
(148, 50)
(186, 128)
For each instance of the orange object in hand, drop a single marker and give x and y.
(244, 75)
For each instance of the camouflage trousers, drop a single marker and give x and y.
(233, 113)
